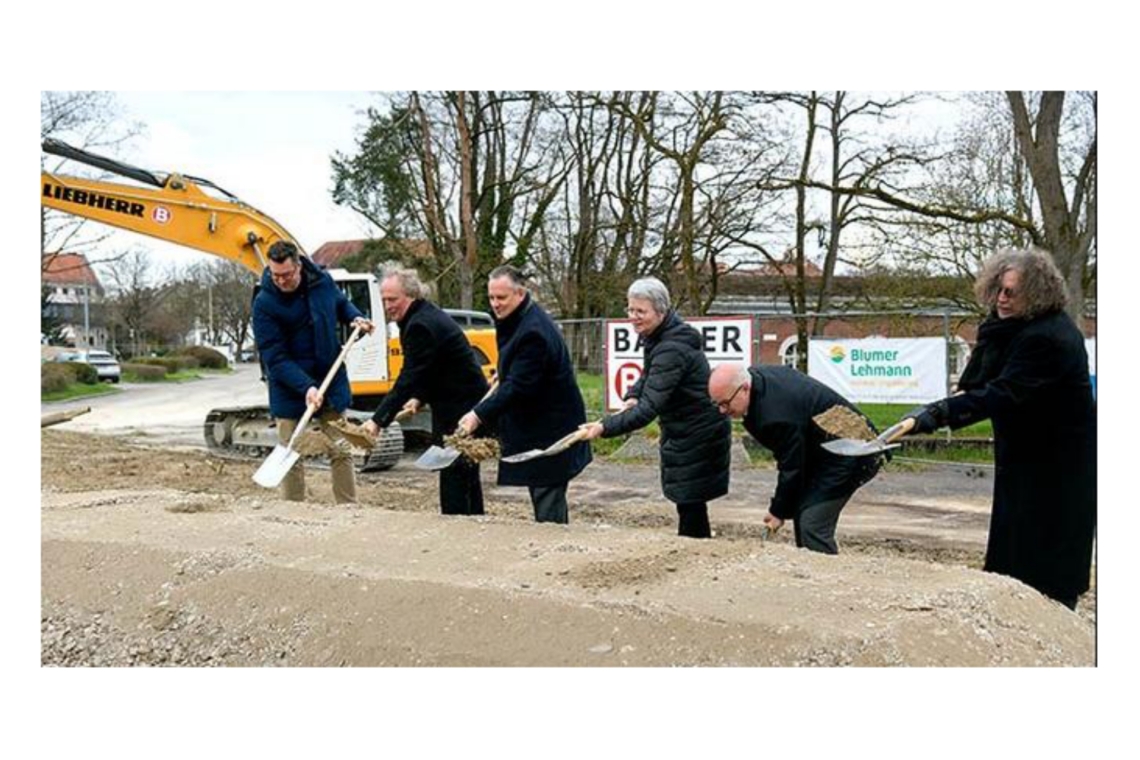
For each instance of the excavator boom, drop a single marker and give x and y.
(170, 207)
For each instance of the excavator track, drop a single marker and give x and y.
(249, 433)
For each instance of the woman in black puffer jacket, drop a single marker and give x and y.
(695, 438)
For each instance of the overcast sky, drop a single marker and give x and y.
(271, 149)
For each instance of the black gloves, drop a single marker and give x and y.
(929, 418)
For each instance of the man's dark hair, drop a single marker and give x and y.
(513, 273)
(282, 251)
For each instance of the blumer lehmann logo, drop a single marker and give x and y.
(838, 354)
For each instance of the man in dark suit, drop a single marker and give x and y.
(440, 369)
(537, 401)
(777, 405)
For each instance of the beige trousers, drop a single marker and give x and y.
(343, 470)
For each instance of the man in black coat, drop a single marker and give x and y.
(1029, 374)
(537, 401)
(777, 405)
(440, 369)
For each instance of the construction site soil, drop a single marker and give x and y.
(160, 556)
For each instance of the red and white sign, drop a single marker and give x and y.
(161, 214)
(725, 339)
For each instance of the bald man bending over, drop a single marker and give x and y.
(777, 405)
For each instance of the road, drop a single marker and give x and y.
(165, 413)
(944, 506)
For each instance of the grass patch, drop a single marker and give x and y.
(173, 377)
(79, 390)
(885, 415)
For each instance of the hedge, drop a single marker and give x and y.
(206, 357)
(55, 377)
(171, 363)
(82, 373)
(145, 372)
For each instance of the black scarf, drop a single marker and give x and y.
(988, 357)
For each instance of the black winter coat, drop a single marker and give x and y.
(695, 437)
(440, 369)
(296, 335)
(537, 401)
(1040, 400)
(780, 410)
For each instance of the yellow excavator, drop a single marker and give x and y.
(196, 213)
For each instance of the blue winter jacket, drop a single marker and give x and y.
(296, 335)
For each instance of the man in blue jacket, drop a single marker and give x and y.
(537, 401)
(295, 317)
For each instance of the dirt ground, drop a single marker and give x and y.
(159, 557)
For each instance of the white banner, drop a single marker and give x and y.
(726, 339)
(881, 370)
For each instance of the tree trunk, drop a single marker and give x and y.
(1039, 141)
(799, 305)
(470, 255)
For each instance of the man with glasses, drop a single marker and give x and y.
(777, 405)
(295, 317)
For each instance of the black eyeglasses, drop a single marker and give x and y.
(1007, 292)
(723, 405)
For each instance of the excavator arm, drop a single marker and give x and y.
(176, 208)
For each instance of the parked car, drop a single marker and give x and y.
(471, 320)
(106, 366)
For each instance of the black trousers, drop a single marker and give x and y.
(693, 519)
(460, 490)
(550, 503)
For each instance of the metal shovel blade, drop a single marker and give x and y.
(555, 448)
(853, 447)
(275, 467)
(436, 458)
(524, 456)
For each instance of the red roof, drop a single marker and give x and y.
(785, 269)
(330, 254)
(68, 269)
(333, 252)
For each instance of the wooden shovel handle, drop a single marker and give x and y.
(897, 430)
(310, 410)
(568, 440)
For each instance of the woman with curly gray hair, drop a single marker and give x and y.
(1029, 374)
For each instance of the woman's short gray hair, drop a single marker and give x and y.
(1040, 280)
(653, 290)
(408, 278)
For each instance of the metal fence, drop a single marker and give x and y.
(774, 335)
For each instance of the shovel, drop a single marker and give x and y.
(438, 457)
(555, 448)
(853, 447)
(273, 470)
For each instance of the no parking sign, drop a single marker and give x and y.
(725, 339)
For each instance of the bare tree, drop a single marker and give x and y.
(135, 300)
(88, 120)
(1040, 189)
(1066, 198)
(455, 165)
